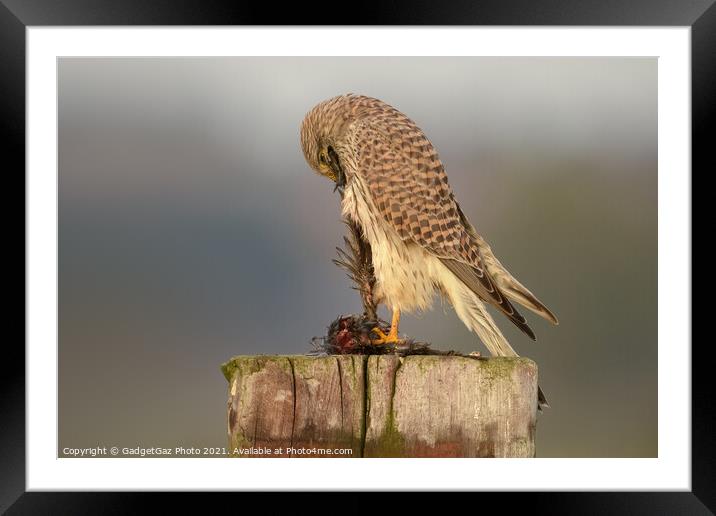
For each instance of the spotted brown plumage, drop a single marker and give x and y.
(396, 190)
(410, 188)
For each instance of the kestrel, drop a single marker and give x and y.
(395, 188)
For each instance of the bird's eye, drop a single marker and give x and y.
(322, 158)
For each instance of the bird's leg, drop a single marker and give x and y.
(392, 336)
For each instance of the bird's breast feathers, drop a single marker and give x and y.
(407, 275)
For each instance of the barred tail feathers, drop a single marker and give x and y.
(473, 313)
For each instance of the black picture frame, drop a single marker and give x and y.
(16, 15)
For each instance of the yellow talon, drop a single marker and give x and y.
(392, 336)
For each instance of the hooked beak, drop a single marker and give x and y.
(340, 179)
(340, 176)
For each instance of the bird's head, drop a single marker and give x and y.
(320, 132)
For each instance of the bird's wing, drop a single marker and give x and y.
(409, 187)
(507, 283)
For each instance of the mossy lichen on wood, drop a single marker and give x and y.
(385, 406)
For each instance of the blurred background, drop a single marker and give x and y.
(192, 230)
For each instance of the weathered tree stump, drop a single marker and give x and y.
(381, 406)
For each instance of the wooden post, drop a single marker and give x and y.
(381, 406)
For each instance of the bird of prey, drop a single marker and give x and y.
(395, 188)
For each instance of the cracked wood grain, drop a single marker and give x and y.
(384, 406)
